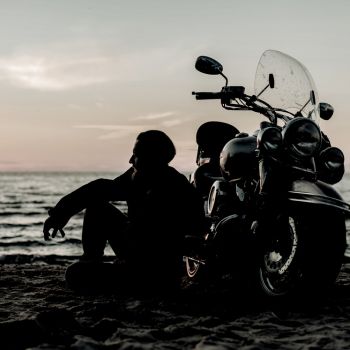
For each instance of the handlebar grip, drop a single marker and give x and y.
(207, 95)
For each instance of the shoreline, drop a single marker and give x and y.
(36, 305)
(56, 259)
(53, 259)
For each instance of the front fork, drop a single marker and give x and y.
(272, 182)
(271, 199)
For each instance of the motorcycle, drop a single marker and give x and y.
(272, 210)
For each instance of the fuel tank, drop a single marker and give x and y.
(238, 158)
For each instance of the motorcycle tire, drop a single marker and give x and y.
(306, 257)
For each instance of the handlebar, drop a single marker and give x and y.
(227, 93)
(207, 95)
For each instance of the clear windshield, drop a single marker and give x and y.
(294, 85)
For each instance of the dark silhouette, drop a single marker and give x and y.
(162, 209)
(211, 137)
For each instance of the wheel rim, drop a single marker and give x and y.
(278, 270)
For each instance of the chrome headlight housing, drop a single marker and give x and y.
(302, 137)
(218, 195)
(212, 200)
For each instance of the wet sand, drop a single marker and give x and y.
(38, 311)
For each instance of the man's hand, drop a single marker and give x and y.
(55, 223)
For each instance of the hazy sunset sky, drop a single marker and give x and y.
(80, 79)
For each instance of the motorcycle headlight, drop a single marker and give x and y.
(269, 140)
(302, 137)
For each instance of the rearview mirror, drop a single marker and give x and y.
(208, 65)
(326, 110)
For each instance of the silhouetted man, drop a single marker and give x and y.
(162, 208)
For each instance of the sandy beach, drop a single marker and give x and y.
(38, 311)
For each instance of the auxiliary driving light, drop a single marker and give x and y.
(269, 140)
(331, 165)
(332, 158)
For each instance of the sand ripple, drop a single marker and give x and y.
(38, 312)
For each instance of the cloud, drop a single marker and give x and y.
(107, 126)
(164, 115)
(151, 121)
(114, 131)
(65, 66)
(173, 122)
(153, 116)
(45, 73)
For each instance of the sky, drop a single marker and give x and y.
(80, 79)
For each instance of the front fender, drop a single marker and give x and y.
(316, 195)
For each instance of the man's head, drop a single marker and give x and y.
(153, 149)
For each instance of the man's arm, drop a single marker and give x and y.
(93, 192)
(100, 190)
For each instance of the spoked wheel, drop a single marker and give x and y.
(305, 253)
(279, 267)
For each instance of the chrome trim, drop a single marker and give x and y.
(318, 199)
(202, 262)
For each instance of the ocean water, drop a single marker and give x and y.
(24, 201)
(26, 197)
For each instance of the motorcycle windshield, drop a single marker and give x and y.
(294, 89)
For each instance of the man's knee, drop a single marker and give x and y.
(104, 212)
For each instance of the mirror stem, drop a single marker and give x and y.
(262, 90)
(226, 80)
(304, 105)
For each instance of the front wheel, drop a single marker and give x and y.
(302, 253)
